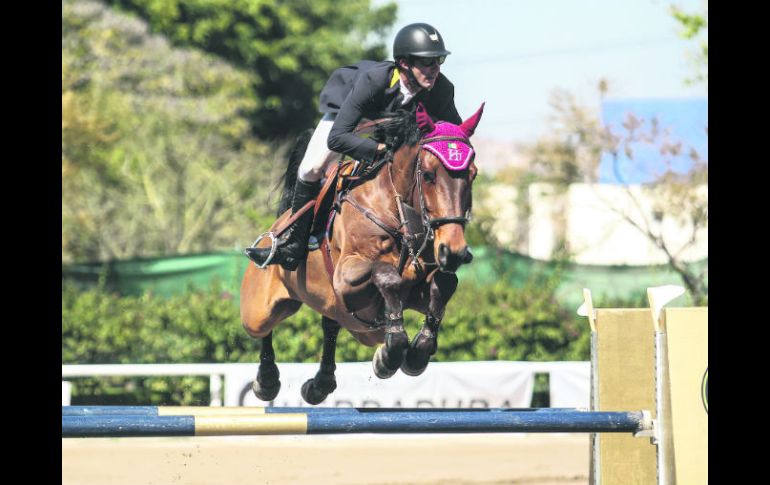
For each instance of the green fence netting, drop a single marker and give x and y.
(173, 275)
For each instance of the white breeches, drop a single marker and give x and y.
(312, 167)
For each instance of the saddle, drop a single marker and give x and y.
(339, 179)
(335, 181)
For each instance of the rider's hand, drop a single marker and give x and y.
(382, 149)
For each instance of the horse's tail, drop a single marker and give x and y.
(290, 177)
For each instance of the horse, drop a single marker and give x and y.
(395, 243)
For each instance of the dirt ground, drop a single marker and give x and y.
(365, 459)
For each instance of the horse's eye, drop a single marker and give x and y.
(429, 177)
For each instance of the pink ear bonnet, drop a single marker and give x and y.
(454, 154)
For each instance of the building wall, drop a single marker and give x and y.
(589, 218)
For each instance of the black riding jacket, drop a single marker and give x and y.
(366, 90)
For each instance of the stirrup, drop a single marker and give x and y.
(273, 247)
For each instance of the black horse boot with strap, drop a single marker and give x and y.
(292, 248)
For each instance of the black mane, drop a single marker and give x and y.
(399, 130)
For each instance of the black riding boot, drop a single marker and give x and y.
(292, 247)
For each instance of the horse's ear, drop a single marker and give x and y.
(469, 125)
(424, 121)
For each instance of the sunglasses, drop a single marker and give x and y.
(428, 61)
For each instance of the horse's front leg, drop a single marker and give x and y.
(425, 343)
(389, 356)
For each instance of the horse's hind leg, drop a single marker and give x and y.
(267, 383)
(389, 357)
(425, 343)
(315, 390)
(260, 313)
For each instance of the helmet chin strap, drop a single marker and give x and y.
(412, 79)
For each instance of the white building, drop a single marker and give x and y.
(591, 219)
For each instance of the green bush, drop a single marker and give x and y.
(492, 322)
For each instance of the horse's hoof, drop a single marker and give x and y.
(412, 371)
(415, 362)
(381, 370)
(312, 395)
(265, 393)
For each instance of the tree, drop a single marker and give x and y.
(573, 151)
(290, 47)
(157, 156)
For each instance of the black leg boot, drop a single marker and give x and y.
(292, 248)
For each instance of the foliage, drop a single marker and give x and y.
(695, 25)
(158, 153)
(290, 47)
(496, 322)
(157, 156)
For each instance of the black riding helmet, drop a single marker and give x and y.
(420, 40)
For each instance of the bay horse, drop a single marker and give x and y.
(395, 244)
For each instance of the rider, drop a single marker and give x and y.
(365, 90)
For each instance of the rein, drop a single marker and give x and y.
(403, 234)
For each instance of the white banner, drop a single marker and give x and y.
(442, 385)
(570, 384)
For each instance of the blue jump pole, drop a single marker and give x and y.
(539, 421)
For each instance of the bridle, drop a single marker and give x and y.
(436, 222)
(413, 244)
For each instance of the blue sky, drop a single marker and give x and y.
(681, 120)
(514, 53)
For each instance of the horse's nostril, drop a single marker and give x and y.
(443, 254)
(467, 255)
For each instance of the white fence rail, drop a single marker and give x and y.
(215, 372)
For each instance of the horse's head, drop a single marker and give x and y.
(443, 178)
